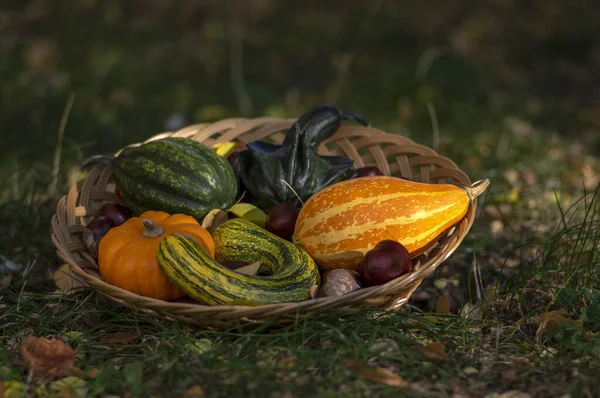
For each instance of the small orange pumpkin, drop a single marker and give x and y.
(127, 253)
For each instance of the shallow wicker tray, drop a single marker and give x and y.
(392, 154)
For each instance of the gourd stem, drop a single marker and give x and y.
(476, 189)
(152, 230)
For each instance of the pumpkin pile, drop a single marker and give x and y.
(262, 223)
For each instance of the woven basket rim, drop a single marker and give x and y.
(76, 207)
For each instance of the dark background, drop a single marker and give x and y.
(138, 68)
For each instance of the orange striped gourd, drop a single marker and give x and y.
(343, 221)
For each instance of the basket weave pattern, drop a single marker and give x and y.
(392, 154)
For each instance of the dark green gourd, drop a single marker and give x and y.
(174, 175)
(266, 169)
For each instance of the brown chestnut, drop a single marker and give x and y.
(368, 171)
(388, 260)
(94, 232)
(281, 219)
(339, 281)
(115, 212)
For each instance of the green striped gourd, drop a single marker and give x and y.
(175, 175)
(290, 271)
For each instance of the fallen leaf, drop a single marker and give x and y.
(558, 315)
(5, 282)
(213, 219)
(250, 269)
(443, 305)
(250, 212)
(509, 376)
(471, 311)
(69, 387)
(435, 351)
(194, 391)
(509, 394)
(225, 148)
(384, 376)
(548, 352)
(521, 362)
(92, 373)
(119, 338)
(287, 362)
(64, 280)
(12, 389)
(72, 336)
(470, 370)
(377, 374)
(314, 291)
(48, 358)
(550, 323)
(200, 346)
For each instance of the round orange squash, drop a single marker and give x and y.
(127, 253)
(343, 221)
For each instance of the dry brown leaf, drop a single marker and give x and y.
(64, 280)
(557, 315)
(377, 374)
(92, 373)
(194, 391)
(5, 282)
(384, 376)
(435, 351)
(287, 362)
(314, 291)
(550, 322)
(48, 358)
(250, 269)
(119, 338)
(443, 305)
(213, 219)
(509, 394)
(521, 362)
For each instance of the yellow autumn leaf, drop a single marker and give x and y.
(443, 305)
(64, 280)
(224, 148)
(71, 386)
(194, 391)
(550, 322)
(250, 212)
(200, 346)
(513, 195)
(12, 389)
(435, 351)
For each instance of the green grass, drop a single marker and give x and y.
(523, 272)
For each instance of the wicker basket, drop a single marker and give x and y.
(392, 154)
